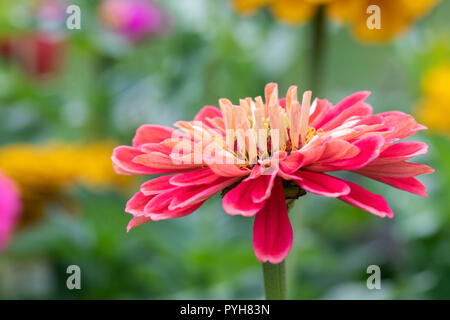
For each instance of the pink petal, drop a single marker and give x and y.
(368, 201)
(137, 203)
(321, 184)
(150, 133)
(165, 213)
(272, 231)
(162, 162)
(338, 149)
(158, 207)
(238, 201)
(156, 147)
(359, 109)
(282, 103)
(161, 202)
(369, 150)
(401, 125)
(228, 170)
(207, 112)
(293, 162)
(157, 185)
(344, 104)
(188, 196)
(402, 151)
(123, 163)
(351, 100)
(137, 221)
(192, 178)
(313, 151)
(409, 184)
(400, 169)
(321, 110)
(263, 186)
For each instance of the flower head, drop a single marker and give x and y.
(39, 54)
(257, 152)
(436, 100)
(396, 15)
(9, 209)
(134, 19)
(44, 172)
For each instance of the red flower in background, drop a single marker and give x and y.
(38, 54)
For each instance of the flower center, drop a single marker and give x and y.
(256, 131)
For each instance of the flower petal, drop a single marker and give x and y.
(400, 169)
(157, 185)
(192, 178)
(190, 195)
(369, 149)
(272, 231)
(239, 200)
(402, 151)
(164, 214)
(137, 203)
(344, 104)
(162, 163)
(409, 184)
(263, 186)
(366, 200)
(150, 133)
(360, 109)
(137, 221)
(321, 184)
(207, 112)
(293, 162)
(123, 163)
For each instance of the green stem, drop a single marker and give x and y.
(274, 281)
(318, 50)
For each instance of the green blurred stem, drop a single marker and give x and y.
(318, 50)
(274, 281)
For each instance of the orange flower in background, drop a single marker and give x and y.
(435, 104)
(396, 15)
(43, 173)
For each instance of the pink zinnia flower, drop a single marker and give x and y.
(9, 209)
(257, 151)
(134, 19)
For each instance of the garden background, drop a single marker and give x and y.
(67, 97)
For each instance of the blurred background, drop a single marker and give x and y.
(68, 96)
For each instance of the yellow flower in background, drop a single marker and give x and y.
(44, 172)
(395, 15)
(434, 107)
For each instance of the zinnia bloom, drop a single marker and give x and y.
(135, 19)
(396, 15)
(257, 153)
(436, 99)
(44, 172)
(9, 209)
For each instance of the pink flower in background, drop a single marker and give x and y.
(135, 19)
(9, 210)
(49, 11)
(257, 153)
